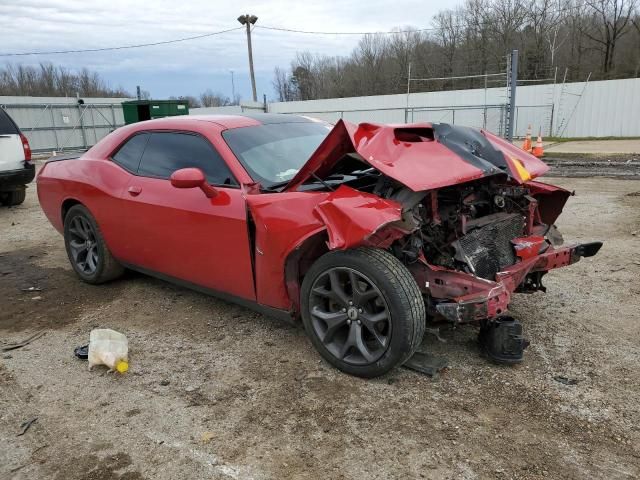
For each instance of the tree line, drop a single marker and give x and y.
(209, 98)
(48, 80)
(554, 38)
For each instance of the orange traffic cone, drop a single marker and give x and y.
(538, 151)
(526, 145)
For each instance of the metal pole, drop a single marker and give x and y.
(233, 88)
(93, 123)
(484, 122)
(113, 116)
(564, 81)
(553, 101)
(513, 80)
(55, 130)
(406, 110)
(248, 20)
(82, 111)
(253, 78)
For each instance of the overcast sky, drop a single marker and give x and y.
(189, 68)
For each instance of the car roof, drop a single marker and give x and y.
(235, 120)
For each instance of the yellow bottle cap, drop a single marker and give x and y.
(122, 366)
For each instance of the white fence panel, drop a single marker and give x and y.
(598, 109)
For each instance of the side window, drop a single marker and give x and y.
(129, 155)
(167, 152)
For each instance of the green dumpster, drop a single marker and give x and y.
(140, 110)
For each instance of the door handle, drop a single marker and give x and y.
(134, 191)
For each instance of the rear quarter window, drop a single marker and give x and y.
(7, 126)
(128, 155)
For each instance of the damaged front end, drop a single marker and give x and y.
(469, 247)
(479, 243)
(457, 206)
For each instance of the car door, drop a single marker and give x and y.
(181, 233)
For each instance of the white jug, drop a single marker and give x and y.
(110, 348)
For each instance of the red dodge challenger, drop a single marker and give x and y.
(365, 231)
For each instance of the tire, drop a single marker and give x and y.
(14, 197)
(87, 251)
(385, 320)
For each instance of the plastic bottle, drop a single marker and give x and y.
(110, 348)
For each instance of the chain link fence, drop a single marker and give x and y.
(490, 117)
(65, 126)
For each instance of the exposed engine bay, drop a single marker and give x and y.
(469, 228)
(472, 227)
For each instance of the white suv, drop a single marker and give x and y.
(16, 169)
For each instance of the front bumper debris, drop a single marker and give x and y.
(501, 340)
(492, 299)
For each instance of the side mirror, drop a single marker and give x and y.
(192, 178)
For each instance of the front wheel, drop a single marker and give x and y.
(362, 310)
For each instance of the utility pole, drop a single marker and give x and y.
(233, 88)
(513, 81)
(249, 20)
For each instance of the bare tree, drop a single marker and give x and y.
(210, 99)
(610, 18)
(475, 39)
(507, 19)
(49, 80)
(448, 35)
(283, 85)
(636, 24)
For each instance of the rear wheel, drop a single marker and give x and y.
(86, 249)
(362, 310)
(13, 198)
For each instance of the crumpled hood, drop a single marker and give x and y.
(422, 156)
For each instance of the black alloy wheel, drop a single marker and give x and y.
(362, 310)
(350, 316)
(87, 251)
(83, 245)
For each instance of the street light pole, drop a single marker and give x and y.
(233, 89)
(249, 20)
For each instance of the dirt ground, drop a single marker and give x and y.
(217, 391)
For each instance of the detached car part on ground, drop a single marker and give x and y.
(382, 229)
(16, 169)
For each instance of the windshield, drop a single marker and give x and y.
(273, 154)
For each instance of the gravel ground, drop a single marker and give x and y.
(217, 391)
(587, 165)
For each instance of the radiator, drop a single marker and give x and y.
(487, 249)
